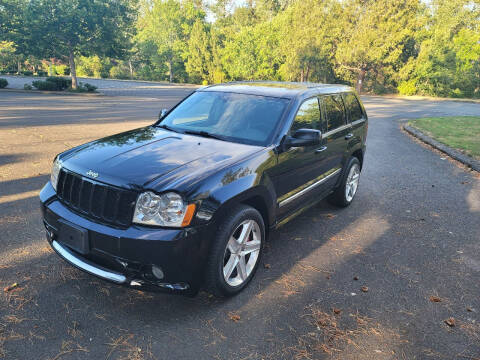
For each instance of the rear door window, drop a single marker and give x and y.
(335, 111)
(353, 107)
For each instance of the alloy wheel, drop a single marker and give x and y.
(241, 253)
(351, 185)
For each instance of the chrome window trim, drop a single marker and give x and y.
(71, 258)
(307, 189)
(334, 131)
(359, 121)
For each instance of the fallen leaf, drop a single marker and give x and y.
(337, 311)
(266, 266)
(355, 278)
(234, 316)
(11, 287)
(329, 216)
(364, 288)
(469, 309)
(450, 322)
(435, 299)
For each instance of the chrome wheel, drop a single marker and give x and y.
(351, 185)
(242, 252)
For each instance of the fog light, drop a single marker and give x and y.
(157, 272)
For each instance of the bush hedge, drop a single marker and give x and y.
(3, 83)
(53, 83)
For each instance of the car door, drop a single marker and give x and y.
(298, 167)
(356, 119)
(335, 135)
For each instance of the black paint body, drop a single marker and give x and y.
(212, 173)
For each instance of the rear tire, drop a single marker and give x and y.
(346, 191)
(236, 251)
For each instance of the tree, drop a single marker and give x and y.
(167, 23)
(308, 32)
(7, 55)
(448, 56)
(198, 55)
(66, 28)
(374, 35)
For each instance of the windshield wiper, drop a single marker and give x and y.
(163, 126)
(204, 134)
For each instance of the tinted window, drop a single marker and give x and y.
(243, 118)
(334, 110)
(351, 103)
(307, 116)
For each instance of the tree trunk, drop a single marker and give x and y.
(131, 68)
(19, 67)
(170, 69)
(360, 79)
(302, 75)
(307, 74)
(73, 70)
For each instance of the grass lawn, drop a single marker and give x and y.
(459, 132)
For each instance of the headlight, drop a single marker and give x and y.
(167, 209)
(57, 165)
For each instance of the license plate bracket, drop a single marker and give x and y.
(73, 236)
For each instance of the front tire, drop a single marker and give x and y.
(235, 252)
(346, 191)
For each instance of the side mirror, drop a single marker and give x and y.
(162, 114)
(304, 137)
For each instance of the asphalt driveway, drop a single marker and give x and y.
(374, 281)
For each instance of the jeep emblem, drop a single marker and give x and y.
(92, 174)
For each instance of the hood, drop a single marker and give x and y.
(139, 157)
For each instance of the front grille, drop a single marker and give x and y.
(96, 201)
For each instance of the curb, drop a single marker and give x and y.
(51, 92)
(455, 154)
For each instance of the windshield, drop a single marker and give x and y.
(249, 119)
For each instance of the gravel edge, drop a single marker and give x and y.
(455, 154)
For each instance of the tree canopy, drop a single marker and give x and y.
(409, 46)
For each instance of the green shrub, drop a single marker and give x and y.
(457, 93)
(44, 85)
(407, 87)
(60, 82)
(27, 87)
(83, 87)
(61, 69)
(27, 73)
(42, 73)
(90, 87)
(3, 83)
(120, 71)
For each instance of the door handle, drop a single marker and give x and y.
(323, 148)
(348, 136)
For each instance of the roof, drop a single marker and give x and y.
(276, 88)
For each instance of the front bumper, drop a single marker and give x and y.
(128, 256)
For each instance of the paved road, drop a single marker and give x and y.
(412, 233)
(118, 87)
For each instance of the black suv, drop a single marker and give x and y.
(188, 202)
